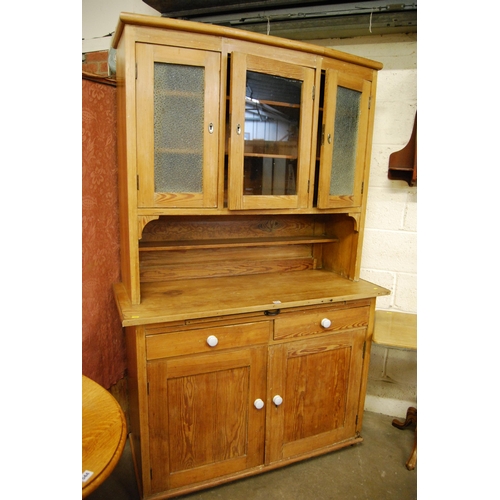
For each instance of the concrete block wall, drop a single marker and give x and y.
(390, 241)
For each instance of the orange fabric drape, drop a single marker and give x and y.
(103, 344)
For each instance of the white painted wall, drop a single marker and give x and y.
(100, 18)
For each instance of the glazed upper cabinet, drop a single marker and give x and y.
(177, 126)
(238, 131)
(271, 117)
(214, 121)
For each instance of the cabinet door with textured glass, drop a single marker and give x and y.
(344, 129)
(177, 126)
(271, 108)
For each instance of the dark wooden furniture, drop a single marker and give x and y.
(403, 163)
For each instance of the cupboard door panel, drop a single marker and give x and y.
(221, 434)
(202, 420)
(343, 140)
(177, 126)
(319, 381)
(317, 411)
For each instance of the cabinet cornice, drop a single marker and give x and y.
(237, 34)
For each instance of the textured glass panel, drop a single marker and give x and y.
(178, 123)
(345, 142)
(272, 118)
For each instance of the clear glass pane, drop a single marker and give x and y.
(178, 124)
(345, 142)
(272, 118)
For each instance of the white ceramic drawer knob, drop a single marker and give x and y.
(326, 323)
(212, 341)
(277, 400)
(259, 404)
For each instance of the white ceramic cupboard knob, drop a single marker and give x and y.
(259, 404)
(212, 341)
(277, 400)
(326, 323)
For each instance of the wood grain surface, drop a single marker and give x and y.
(104, 432)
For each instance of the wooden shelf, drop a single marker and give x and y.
(153, 246)
(279, 104)
(269, 155)
(402, 169)
(403, 163)
(277, 149)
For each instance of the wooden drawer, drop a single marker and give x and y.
(307, 323)
(183, 343)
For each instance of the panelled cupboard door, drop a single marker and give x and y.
(203, 422)
(343, 138)
(177, 96)
(271, 110)
(319, 384)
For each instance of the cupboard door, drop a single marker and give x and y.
(202, 420)
(343, 140)
(319, 384)
(271, 108)
(177, 126)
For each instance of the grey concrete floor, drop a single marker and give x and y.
(374, 469)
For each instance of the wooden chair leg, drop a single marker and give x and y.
(412, 461)
(411, 418)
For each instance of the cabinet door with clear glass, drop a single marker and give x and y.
(271, 109)
(177, 126)
(343, 139)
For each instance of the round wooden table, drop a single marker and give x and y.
(104, 433)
